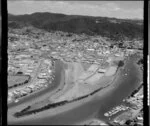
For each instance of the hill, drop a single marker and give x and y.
(109, 27)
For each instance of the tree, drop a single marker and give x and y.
(128, 122)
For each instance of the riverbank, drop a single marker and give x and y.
(66, 105)
(93, 106)
(57, 84)
(73, 71)
(59, 111)
(77, 91)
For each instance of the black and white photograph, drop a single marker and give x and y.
(75, 62)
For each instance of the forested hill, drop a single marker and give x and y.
(109, 27)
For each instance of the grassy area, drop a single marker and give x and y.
(86, 65)
(13, 80)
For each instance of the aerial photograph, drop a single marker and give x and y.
(75, 63)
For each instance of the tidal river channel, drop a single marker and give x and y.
(127, 80)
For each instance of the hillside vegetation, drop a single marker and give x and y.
(113, 28)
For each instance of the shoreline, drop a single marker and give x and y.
(61, 109)
(79, 102)
(67, 86)
(72, 106)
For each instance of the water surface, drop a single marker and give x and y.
(55, 83)
(123, 86)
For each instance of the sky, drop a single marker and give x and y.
(117, 9)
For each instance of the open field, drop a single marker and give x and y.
(74, 88)
(71, 75)
(92, 80)
(68, 83)
(86, 65)
(111, 71)
(12, 80)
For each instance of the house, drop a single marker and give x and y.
(140, 118)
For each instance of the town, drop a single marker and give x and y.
(32, 52)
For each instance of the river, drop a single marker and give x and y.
(55, 83)
(127, 81)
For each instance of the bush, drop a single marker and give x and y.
(128, 122)
(121, 63)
